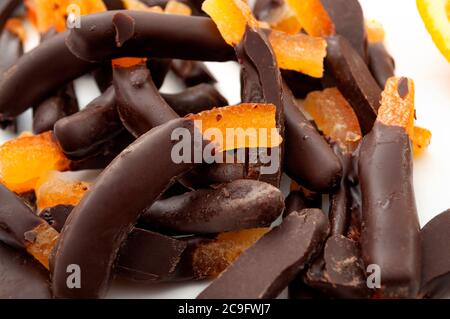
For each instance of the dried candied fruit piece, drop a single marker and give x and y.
(436, 16)
(231, 18)
(25, 159)
(299, 52)
(334, 117)
(210, 259)
(128, 62)
(247, 125)
(176, 7)
(283, 19)
(53, 13)
(397, 104)
(422, 138)
(375, 31)
(15, 26)
(31, 14)
(41, 241)
(313, 17)
(54, 189)
(140, 6)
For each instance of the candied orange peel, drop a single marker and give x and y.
(231, 18)
(127, 62)
(55, 189)
(312, 17)
(335, 117)
(53, 13)
(41, 241)
(15, 26)
(248, 125)
(422, 139)
(436, 17)
(397, 104)
(210, 259)
(176, 7)
(27, 158)
(299, 52)
(284, 19)
(375, 31)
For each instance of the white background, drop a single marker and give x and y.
(416, 57)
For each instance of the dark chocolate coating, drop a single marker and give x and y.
(390, 234)
(353, 80)
(39, 73)
(301, 84)
(241, 204)
(340, 272)
(16, 219)
(195, 99)
(309, 160)
(261, 83)
(298, 201)
(435, 257)
(263, 8)
(22, 277)
(146, 34)
(159, 69)
(103, 76)
(139, 104)
(192, 73)
(84, 133)
(7, 8)
(114, 4)
(381, 63)
(105, 216)
(298, 290)
(62, 104)
(56, 216)
(149, 256)
(266, 268)
(11, 49)
(348, 20)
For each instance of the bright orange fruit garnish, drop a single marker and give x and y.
(175, 7)
(45, 239)
(231, 18)
(15, 26)
(299, 52)
(436, 16)
(334, 117)
(27, 158)
(53, 13)
(241, 126)
(312, 17)
(422, 138)
(210, 259)
(375, 31)
(127, 62)
(284, 19)
(140, 6)
(397, 104)
(30, 6)
(54, 189)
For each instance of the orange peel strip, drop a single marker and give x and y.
(375, 31)
(176, 7)
(397, 104)
(15, 26)
(24, 160)
(299, 52)
(312, 17)
(334, 117)
(44, 240)
(422, 139)
(247, 125)
(210, 259)
(53, 13)
(127, 62)
(54, 189)
(284, 19)
(139, 6)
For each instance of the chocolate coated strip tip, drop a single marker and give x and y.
(403, 89)
(124, 25)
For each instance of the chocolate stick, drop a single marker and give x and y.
(382, 64)
(192, 73)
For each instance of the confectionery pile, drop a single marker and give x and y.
(314, 73)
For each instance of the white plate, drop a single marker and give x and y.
(416, 57)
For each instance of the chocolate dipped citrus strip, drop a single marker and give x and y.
(192, 73)
(241, 204)
(435, 257)
(11, 45)
(252, 277)
(84, 133)
(354, 80)
(195, 99)
(382, 64)
(139, 104)
(21, 277)
(104, 208)
(391, 233)
(118, 34)
(7, 8)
